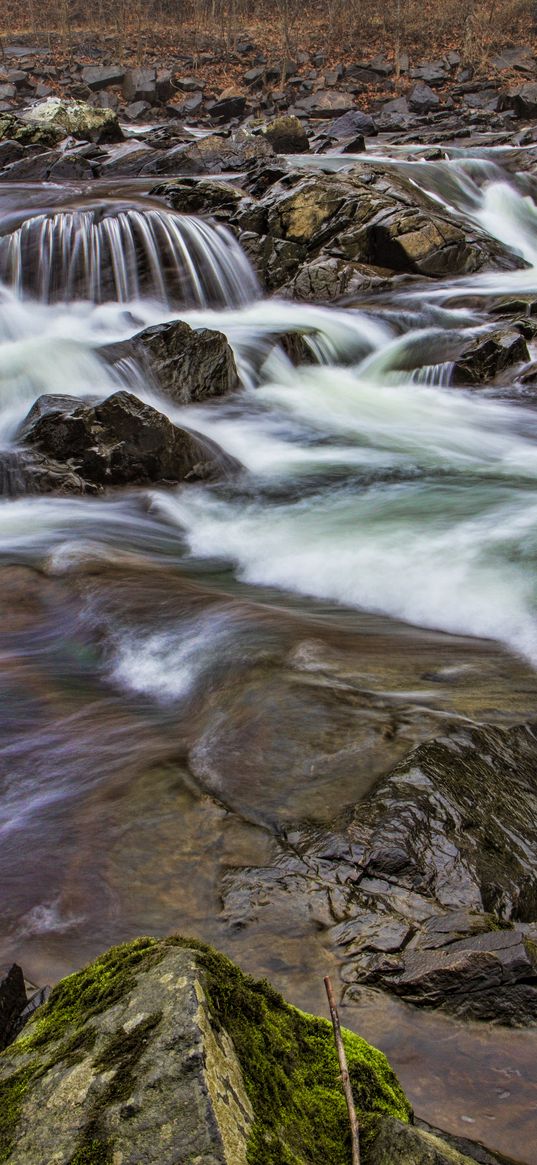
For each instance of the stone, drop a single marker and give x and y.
(351, 124)
(395, 1143)
(24, 472)
(489, 356)
(227, 108)
(185, 108)
(325, 103)
(71, 165)
(77, 118)
(422, 99)
(189, 364)
(287, 135)
(12, 1000)
(10, 152)
(522, 100)
(140, 85)
(27, 133)
(431, 879)
(98, 77)
(122, 441)
(162, 1051)
(136, 110)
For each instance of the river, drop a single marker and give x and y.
(172, 658)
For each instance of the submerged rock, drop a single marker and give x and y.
(164, 1052)
(125, 442)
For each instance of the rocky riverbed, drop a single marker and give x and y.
(267, 547)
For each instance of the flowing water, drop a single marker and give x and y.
(184, 671)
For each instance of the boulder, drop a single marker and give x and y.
(28, 133)
(189, 365)
(125, 442)
(163, 1051)
(76, 118)
(98, 77)
(352, 124)
(25, 471)
(423, 99)
(287, 135)
(489, 356)
(325, 103)
(227, 108)
(522, 99)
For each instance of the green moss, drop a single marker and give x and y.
(79, 997)
(92, 1151)
(291, 1071)
(12, 1092)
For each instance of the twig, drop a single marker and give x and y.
(353, 1119)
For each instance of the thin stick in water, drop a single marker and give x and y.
(353, 1119)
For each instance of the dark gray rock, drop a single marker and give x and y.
(125, 442)
(428, 887)
(227, 108)
(98, 77)
(140, 85)
(137, 110)
(489, 356)
(12, 1000)
(522, 100)
(352, 124)
(189, 365)
(422, 99)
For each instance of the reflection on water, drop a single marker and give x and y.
(187, 673)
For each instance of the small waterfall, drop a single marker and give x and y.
(123, 254)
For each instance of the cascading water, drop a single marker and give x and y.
(121, 253)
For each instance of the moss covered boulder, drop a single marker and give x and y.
(76, 118)
(163, 1052)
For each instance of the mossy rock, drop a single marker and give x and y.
(162, 1051)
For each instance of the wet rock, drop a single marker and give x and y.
(129, 159)
(125, 442)
(287, 135)
(429, 888)
(186, 108)
(326, 280)
(163, 1051)
(200, 196)
(25, 472)
(71, 165)
(489, 356)
(189, 364)
(36, 167)
(12, 1000)
(76, 118)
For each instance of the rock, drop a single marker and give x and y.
(200, 196)
(352, 124)
(12, 1000)
(326, 280)
(77, 118)
(432, 73)
(129, 159)
(522, 100)
(431, 880)
(189, 365)
(36, 167)
(489, 356)
(24, 472)
(71, 165)
(287, 135)
(227, 108)
(394, 1143)
(185, 108)
(26, 133)
(140, 85)
(163, 1051)
(10, 152)
(325, 103)
(136, 110)
(98, 77)
(423, 99)
(125, 442)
